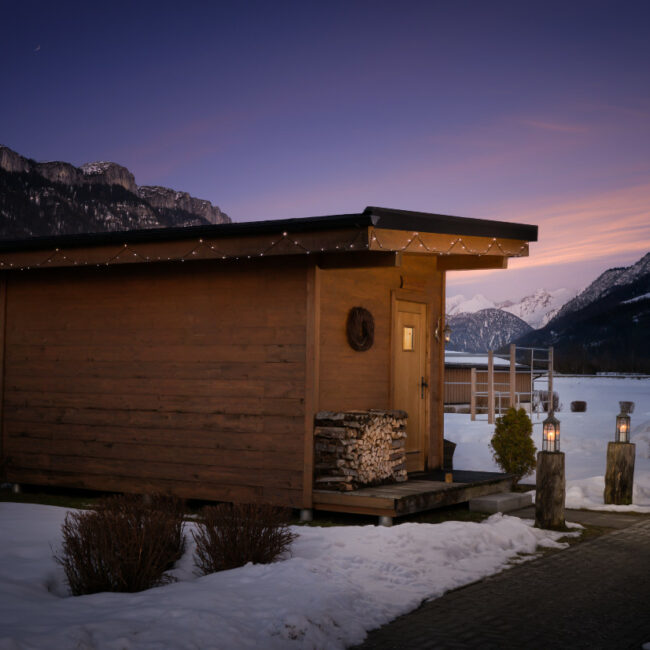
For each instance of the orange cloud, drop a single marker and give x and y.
(587, 228)
(605, 227)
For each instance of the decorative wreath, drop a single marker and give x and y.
(360, 329)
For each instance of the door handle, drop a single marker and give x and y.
(423, 385)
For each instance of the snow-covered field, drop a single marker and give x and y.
(337, 583)
(583, 438)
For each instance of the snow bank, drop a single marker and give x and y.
(588, 494)
(338, 583)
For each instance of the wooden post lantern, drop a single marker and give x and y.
(622, 428)
(551, 429)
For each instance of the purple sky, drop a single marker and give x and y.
(536, 112)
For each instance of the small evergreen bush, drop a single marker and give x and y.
(123, 544)
(512, 444)
(231, 535)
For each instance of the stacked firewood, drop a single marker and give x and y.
(358, 448)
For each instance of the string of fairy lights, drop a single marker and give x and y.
(421, 243)
(203, 249)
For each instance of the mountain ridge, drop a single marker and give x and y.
(53, 198)
(605, 328)
(486, 329)
(536, 309)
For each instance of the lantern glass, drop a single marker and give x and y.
(551, 432)
(622, 428)
(447, 333)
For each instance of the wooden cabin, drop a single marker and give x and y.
(193, 361)
(458, 372)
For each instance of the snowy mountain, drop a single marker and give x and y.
(55, 198)
(460, 305)
(487, 329)
(604, 328)
(538, 308)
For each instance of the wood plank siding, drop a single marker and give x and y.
(457, 384)
(351, 380)
(188, 379)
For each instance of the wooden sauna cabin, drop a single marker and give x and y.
(192, 361)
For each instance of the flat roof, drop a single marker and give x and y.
(377, 217)
(475, 360)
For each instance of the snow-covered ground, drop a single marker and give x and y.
(583, 438)
(337, 583)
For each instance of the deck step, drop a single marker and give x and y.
(500, 502)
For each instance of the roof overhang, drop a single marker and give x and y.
(376, 232)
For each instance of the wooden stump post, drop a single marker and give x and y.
(619, 477)
(550, 492)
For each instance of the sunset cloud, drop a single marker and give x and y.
(578, 239)
(601, 225)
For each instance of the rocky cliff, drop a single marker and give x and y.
(52, 198)
(166, 199)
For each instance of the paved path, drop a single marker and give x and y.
(600, 518)
(595, 594)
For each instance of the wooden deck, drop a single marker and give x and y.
(423, 491)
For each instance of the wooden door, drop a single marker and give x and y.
(410, 379)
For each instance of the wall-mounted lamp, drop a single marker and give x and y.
(446, 331)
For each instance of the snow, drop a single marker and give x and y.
(538, 308)
(584, 438)
(473, 360)
(645, 296)
(98, 167)
(471, 306)
(535, 309)
(337, 583)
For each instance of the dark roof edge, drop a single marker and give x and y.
(149, 235)
(389, 218)
(383, 218)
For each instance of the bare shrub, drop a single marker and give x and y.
(578, 407)
(231, 535)
(122, 544)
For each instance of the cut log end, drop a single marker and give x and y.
(359, 448)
